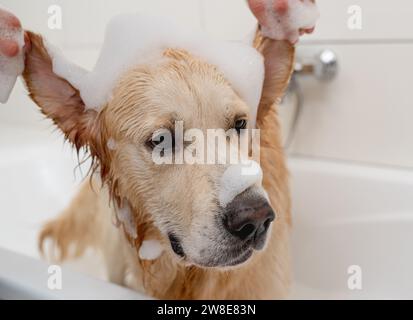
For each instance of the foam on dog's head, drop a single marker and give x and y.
(134, 39)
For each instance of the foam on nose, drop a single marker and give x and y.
(238, 178)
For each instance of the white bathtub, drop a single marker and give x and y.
(343, 215)
(346, 215)
(37, 180)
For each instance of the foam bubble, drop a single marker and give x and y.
(150, 250)
(238, 178)
(111, 144)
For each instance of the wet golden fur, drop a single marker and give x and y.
(87, 221)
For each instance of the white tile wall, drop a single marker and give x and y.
(382, 19)
(229, 19)
(366, 113)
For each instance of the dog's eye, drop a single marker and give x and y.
(164, 137)
(155, 141)
(240, 125)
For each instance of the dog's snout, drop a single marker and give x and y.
(249, 219)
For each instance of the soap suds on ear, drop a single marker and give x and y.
(301, 14)
(125, 216)
(10, 68)
(150, 250)
(135, 39)
(238, 178)
(64, 67)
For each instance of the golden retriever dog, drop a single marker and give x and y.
(240, 251)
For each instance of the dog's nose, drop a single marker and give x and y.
(249, 219)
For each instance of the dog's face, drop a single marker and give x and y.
(184, 199)
(212, 214)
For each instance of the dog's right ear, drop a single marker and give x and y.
(56, 97)
(279, 65)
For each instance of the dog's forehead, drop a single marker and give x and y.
(180, 87)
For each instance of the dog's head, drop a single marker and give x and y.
(213, 215)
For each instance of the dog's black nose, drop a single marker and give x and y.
(248, 218)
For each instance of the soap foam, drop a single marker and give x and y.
(150, 250)
(111, 144)
(237, 178)
(10, 68)
(135, 39)
(285, 26)
(64, 67)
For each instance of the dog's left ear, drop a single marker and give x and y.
(57, 98)
(279, 65)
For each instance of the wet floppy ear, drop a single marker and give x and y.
(57, 98)
(279, 63)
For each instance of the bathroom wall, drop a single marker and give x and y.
(364, 115)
